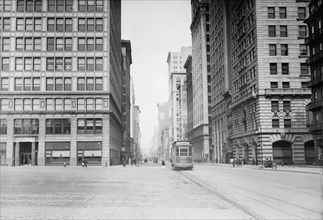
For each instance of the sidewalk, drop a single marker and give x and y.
(286, 168)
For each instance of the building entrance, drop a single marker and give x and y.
(25, 153)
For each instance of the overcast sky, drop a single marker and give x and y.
(154, 27)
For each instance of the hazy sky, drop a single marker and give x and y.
(154, 27)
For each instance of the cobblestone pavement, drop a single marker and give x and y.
(144, 192)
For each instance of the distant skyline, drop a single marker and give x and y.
(154, 27)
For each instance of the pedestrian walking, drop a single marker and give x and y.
(124, 162)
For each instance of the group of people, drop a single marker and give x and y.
(132, 161)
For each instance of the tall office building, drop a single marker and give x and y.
(220, 78)
(61, 82)
(176, 78)
(126, 99)
(315, 43)
(266, 100)
(199, 136)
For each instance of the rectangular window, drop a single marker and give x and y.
(99, 63)
(50, 63)
(271, 12)
(4, 105)
(303, 49)
(81, 24)
(90, 104)
(18, 84)
(36, 84)
(29, 5)
(82, 5)
(68, 24)
(285, 68)
(275, 123)
(81, 83)
(98, 126)
(272, 50)
(99, 44)
(90, 83)
(68, 44)
(99, 83)
(19, 64)
(37, 24)
(81, 44)
(67, 104)
(273, 68)
(19, 44)
(50, 44)
(5, 64)
(58, 84)
(51, 5)
(81, 63)
(60, 24)
(81, 126)
(274, 106)
(67, 84)
(4, 84)
(3, 126)
(20, 26)
(99, 5)
(287, 123)
(90, 44)
(18, 126)
(29, 24)
(68, 63)
(50, 105)
(59, 5)
(59, 104)
(90, 24)
(6, 24)
(50, 24)
(304, 69)
(59, 44)
(59, 63)
(284, 49)
(18, 105)
(301, 12)
(49, 84)
(5, 44)
(286, 106)
(27, 105)
(37, 43)
(302, 33)
(36, 104)
(68, 5)
(38, 5)
(271, 31)
(27, 84)
(285, 85)
(274, 85)
(28, 43)
(99, 24)
(90, 64)
(90, 5)
(282, 12)
(37, 64)
(98, 104)
(20, 6)
(81, 104)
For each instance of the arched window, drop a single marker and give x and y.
(38, 5)
(29, 5)
(20, 6)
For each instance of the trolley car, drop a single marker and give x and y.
(181, 155)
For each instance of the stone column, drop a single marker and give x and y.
(17, 154)
(33, 153)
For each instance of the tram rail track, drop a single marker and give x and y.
(272, 203)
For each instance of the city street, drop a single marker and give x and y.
(151, 191)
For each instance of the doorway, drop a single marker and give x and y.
(25, 153)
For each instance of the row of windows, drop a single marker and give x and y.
(272, 32)
(53, 5)
(273, 49)
(282, 11)
(53, 84)
(53, 63)
(285, 85)
(53, 44)
(273, 68)
(287, 123)
(51, 104)
(53, 126)
(275, 106)
(53, 24)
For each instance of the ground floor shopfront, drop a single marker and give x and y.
(281, 148)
